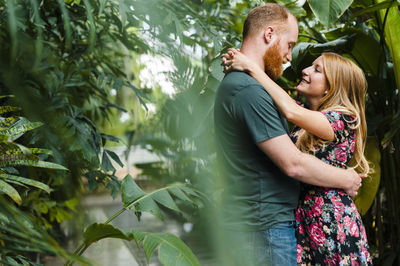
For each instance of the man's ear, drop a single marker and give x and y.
(269, 33)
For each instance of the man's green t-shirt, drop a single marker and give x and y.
(258, 194)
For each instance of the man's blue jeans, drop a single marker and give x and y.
(276, 246)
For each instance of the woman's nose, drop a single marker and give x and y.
(305, 71)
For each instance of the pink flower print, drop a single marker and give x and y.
(339, 206)
(307, 198)
(336, 258)
(316, 233)
(343, 145)
(352, 145)
(330, 262)
(354, 259)
(354, 229)
(341, 155)
(317, 210)
(334, 126)
(339, 209)
(347, 221)
(319, 201)
(299, 252)
(301, 229)
(367, 255)
(339, 125)
(363, 249)
(340, 227)
(299, 214)
(341, 235)
(338, 215)
(363, 234)
(298, 217)
(309, 214)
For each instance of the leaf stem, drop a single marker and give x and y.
(115, 215)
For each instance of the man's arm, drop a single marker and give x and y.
(307, 168)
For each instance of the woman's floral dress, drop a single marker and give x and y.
(329, 228)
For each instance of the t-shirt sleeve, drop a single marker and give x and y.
(256, 109)
(342, 125)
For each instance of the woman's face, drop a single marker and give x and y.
(313, 84)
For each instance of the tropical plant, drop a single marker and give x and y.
(62, 60)
(365, 31)
(21, 236)
(171, 250)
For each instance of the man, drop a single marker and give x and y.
(261, 164)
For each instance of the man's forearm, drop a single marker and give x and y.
(309, 169)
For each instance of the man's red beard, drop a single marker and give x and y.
(273, 61)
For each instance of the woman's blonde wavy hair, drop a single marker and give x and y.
(346, 93)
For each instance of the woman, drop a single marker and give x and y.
(329, 228)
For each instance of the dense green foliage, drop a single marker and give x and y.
(361, 30)
(62, 60)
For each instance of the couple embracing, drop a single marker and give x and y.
(287, 197)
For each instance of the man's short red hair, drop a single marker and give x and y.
(266, 15)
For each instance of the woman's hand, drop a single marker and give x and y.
(235, 60)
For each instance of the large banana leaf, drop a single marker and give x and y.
(171, 249)
(393, 128)
(96, 232)
(392, 35)
(367, 7)
(365, 48)
(305, 53)
(370, 184)
(135, 199)
(328, 11)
